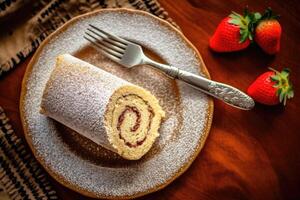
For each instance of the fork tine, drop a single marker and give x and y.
(106, 43)
(105, 48)
(106, 38)
(116, 38)
(107, 54)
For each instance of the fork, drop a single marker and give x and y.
(129, 55)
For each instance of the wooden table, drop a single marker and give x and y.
(248, 155)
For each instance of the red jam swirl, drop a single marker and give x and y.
(137, 124)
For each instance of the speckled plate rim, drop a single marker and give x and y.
(61, 179)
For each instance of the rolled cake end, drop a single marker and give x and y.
(132, 120)
(59, 63)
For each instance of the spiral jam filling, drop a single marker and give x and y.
(134, 118)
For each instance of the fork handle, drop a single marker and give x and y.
(224, 92)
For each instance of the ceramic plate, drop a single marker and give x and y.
(77, 162)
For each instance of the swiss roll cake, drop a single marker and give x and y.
(110, 111)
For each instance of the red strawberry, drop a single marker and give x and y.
(272, 87)
(268, 33)
(232, 34)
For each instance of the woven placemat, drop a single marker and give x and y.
(25, 23)
(21, 177)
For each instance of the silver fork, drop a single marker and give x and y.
(129, 54)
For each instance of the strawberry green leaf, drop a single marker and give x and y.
(250, 37)
(290, 93)
(284, 101)
(246, 23)
(244, 36)
(285, 73)
(234, 21)
(281, 96)
(282, 84)
(274, 78)
(257, 16)
(237, 15)
(278, 92)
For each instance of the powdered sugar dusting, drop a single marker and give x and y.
(180, 133)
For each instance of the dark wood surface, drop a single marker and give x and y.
(248, 155)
